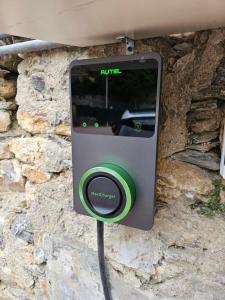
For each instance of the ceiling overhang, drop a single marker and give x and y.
(94, 22)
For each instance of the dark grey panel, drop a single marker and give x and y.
(137, 156)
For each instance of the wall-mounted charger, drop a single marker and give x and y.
(115, 112)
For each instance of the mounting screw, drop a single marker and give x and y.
(129, 43)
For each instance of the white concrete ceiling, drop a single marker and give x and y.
(93, 22)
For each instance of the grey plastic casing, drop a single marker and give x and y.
(138, 156)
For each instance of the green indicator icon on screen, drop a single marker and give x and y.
(137, 126)
(110, 71)
(84, 124)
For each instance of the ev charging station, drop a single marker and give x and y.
(115, 113)
(115, 116)
(114, 100)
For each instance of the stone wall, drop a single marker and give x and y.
(49, 252)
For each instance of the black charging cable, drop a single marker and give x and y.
(101, 259)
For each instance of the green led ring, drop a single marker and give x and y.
(124, 179)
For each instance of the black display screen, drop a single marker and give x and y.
(116, 98)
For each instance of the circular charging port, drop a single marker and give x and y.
(104, 195)
(107, 192)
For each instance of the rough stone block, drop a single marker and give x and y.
(4, 151)
(39, 256)
(5, 121)
(38, 122)
(8, 292)
(12, 203)
(57, 155)
(209, 160)
(205, 147)
(183, 176)
(47, 87)
(38, 83)
(7, 88)
(204, 137)
(35, 174)
(11, 179)
(185, 47)
(28, 150)
(51, 154)
(205, 125)
(13, 273)
(206, 114)
(7, 105)
(32, 122)
(22, 228)
(79, 267)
